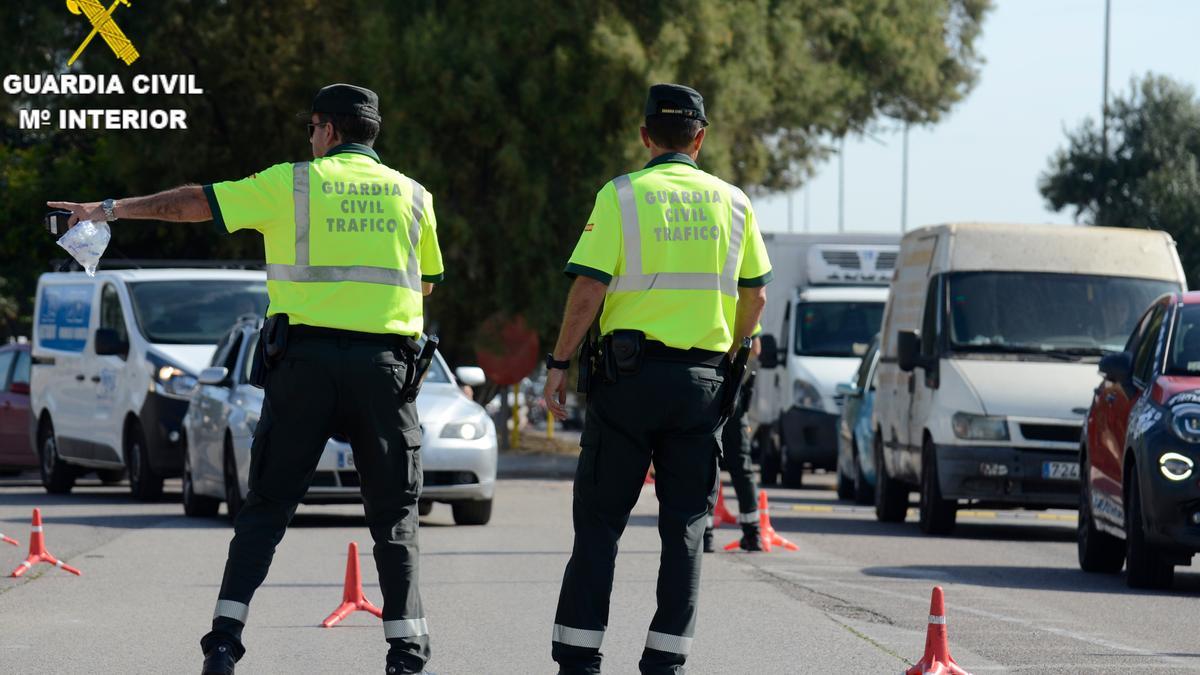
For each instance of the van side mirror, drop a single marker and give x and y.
(769, 358)
(908, 350)
(215, 375)
(108, 343)
(1117, 367)
(845, 389)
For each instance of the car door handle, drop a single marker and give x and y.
(96, 378)
(79, 378)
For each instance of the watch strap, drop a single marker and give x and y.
(552, 362)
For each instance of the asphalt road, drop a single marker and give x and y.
(853, 599)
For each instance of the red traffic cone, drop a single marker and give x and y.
(38, 552)
(9, 540)
(937, 659)
(353, 599)
(721, 514)
(769, 535)
(770, 538)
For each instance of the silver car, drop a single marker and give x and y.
(458, 451)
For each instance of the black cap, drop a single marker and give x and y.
(675, 99)
(347, 99)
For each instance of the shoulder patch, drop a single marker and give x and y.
(588, 227)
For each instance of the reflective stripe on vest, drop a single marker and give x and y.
(631, 233)
(303, 272)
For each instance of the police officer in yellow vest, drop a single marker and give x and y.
(351, 249)
(676, 258)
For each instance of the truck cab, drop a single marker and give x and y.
(828, 321)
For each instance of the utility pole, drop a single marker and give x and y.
(1104, 121)
(791, 220)
(904, 185)
(842, 185)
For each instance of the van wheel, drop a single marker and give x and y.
(195, 505)
(845, 485)
(144, 484)
(1098, 551)
(891, 496)
(472, 513)
(769, 463)
(110, 476)
(233, 489)
(863, 492)
(1145, 565)
(58, 477)
(937, 515)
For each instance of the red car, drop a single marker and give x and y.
(1140, 491)
(16, 450)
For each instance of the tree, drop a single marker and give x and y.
(1148, 178)
(512, 114)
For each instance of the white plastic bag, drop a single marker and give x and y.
(86, 243)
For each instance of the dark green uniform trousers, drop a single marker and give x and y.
(349, 385)
(669, 412)
(735, 458)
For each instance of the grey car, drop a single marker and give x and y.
(458, 450)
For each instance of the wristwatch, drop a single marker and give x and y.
(109, 208)
(551, 362)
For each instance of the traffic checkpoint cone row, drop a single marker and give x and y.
(721, 514)
(9, 540)
(38, 552)
(770, 538)
(937, 659)
(353, 599)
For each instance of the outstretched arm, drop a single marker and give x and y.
(185, 204)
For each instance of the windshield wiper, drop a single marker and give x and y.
(1009, 348)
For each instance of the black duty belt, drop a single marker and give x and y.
(387, 339)
(701, 357)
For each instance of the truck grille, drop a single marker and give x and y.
(887, 261)
(1052, 433)
(847, 260)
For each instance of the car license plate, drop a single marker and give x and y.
(345, 459)
(1060, 470)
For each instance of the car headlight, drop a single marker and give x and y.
(806, 395)
(170, 379)
(1185, 422)
(1175, 466)
(465, 430)
(971, 427)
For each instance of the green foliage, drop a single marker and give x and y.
(1148, 178)
(513, 114)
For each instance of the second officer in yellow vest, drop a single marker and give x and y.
(676, 258)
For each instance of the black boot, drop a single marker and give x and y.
(751, 538)
(709, 547)
(219, 660)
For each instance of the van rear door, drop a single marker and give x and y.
(65, 317)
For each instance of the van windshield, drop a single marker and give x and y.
(194, 312)
(836, 328)
(1057, 314)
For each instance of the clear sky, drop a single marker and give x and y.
(1043, 74)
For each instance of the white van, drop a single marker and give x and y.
(115, 359)
(832, 311)
(990, 345)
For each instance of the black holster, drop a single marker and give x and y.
(271, 348)
(587, 366)
(625, 349)
(421, 360)
(732, 388)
